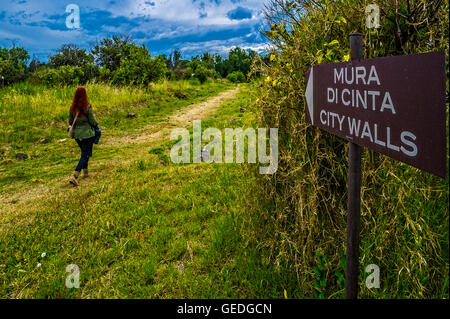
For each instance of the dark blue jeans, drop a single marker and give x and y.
(86, 152)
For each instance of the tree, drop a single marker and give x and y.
(169, 62)
(202, 73)
(236, 77)
(208, 61)
(34, 64)
(238, 60)
(139, 67)
(70, 54)
(176, 59)
(15, 54)
(111, 51)
(13, 64)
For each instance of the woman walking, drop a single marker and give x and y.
(82, 129)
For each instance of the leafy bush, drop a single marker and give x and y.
(70, 56)
(66, 75)
(70, 75)
(157, 69)
(188, 74)
(202, 74)
(110, 52)
(90, 73)
(139, 68)
(51, 77)
(238, 60)
(10, 72)
(236, 77)
(170, 75)
(13, 65)
(104, 75)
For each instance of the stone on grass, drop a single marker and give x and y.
(21, 156)
(45, 140)
(180, 95)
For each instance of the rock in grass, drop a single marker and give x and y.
(21, 156)
(242, 109)
(131, 115)
(45, 140)
(234, 121)
(2, 151)
(180, 95)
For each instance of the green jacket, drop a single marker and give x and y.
(84, 125)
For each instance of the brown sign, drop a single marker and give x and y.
(392, 105)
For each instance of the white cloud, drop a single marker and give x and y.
(169, 24)
(188, 11)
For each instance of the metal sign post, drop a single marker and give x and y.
(354, 195)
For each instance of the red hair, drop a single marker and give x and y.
(80, 102)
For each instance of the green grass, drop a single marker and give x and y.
(29, 112)
(148, 229)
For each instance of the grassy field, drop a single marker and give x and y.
(140, 227)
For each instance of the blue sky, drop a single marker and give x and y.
(192, 26)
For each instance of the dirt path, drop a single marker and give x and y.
(180, 118)
(19, 207)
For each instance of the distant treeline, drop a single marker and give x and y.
(118, 60)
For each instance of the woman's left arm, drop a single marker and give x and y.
(71, 118)
(91, 118)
